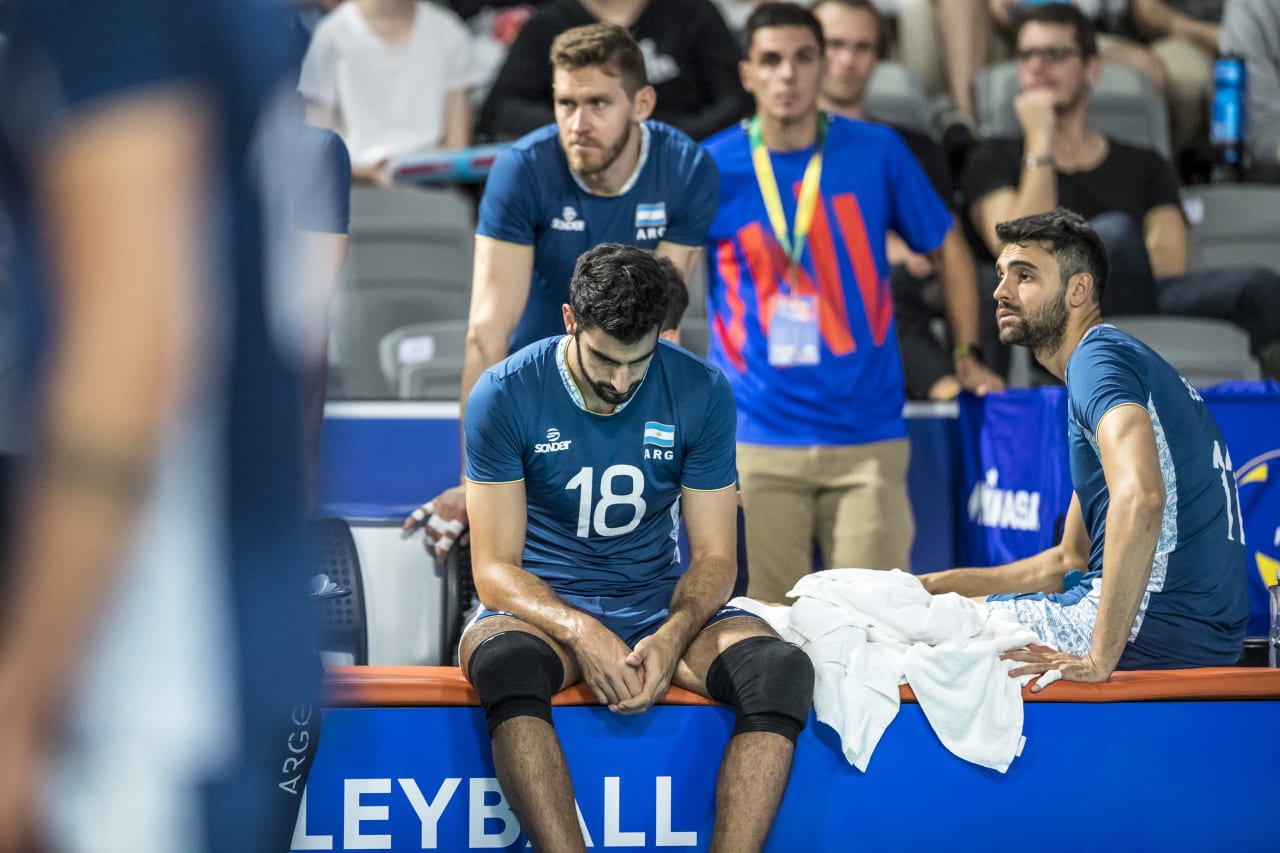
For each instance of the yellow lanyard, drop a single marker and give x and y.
(805, 205)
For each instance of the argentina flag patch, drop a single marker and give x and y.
(651, 215)
(659, 435)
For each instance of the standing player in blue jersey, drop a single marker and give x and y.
(603, 173)
(583, 451)
(801, 312)
(157, 651)
(1155, 519)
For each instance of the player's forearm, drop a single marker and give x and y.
(703, 589)
(511, 589)
(1042, 572)
(481, 353)
(1133, 529)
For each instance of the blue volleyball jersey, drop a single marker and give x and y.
(533, 199)
(871, 184)
(603, 491)
(1195, 608)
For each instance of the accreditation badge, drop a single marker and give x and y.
(793, 331)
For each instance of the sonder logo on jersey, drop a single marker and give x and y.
(651, 221)
(553, 444)
(992, 506)
(568, 221)
(659, 438)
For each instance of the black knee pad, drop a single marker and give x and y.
(767, 682)
(516, 674)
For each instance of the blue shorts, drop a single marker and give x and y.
(632, 617)
(1063, 620)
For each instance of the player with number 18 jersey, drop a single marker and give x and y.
(603, 491)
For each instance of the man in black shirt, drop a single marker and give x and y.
(855, 36)
(690, 56)
(1131, 194)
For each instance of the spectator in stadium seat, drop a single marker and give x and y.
(1153, 536)
(803, 325)
(1130, 194)
(392, 78)
(855, 37)
(688, 50)
(603, 172)
(574, 560)
(157, 650)
(1251, 29)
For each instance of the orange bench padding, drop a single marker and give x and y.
(383, 686)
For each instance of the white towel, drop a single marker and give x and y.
(868, 631)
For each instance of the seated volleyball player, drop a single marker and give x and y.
(1155, 518)
(582, 452)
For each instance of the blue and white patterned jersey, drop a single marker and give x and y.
(603, 491)
(1195, 607)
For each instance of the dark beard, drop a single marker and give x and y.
(610, 154)
(1043, 331)
(604, 390)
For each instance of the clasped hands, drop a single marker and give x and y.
(626, 680)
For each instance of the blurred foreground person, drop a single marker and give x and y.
(156, 657)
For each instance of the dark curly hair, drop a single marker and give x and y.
(619, 289)
(1071, 240)
(1063, 15)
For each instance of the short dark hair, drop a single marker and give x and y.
(780, 15)
(620, 290)
(882, 29)
(605, 46)
(1071, 240)
(677, 295)
(1061, 14)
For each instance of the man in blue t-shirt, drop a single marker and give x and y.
(1155, 511)
(801, 312)
(583, 451)
(602, 173)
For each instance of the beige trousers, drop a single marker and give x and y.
(852, 501)
(1190, 70)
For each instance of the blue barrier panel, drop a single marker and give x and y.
(377, 459)
(1181, 775)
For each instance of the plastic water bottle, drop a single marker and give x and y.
(1273, 602)
(1227, 125)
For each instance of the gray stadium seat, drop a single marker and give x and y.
(896, 96)
(697, 290)
(1205, 351)
(1124, 105)
(423, 361)
(695, 336)
(409, 260)
(1233, 225)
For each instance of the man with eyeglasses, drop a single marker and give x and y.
(1130, 194)
(855, 35)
